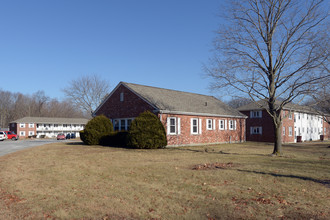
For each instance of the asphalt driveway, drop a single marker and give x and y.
(9, 146)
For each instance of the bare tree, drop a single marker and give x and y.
(274, 50)
(238, 102)
(87, 92)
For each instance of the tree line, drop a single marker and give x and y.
(17, 105)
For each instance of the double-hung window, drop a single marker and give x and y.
(221, 124)
(232, 124)
(173, 125)
(290, 131)
(283, 130)
(31, 125)
(194, 126)
(256, 130)
(22, 125)
(210, 124)
(255, 114)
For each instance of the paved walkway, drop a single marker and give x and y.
(9, 146)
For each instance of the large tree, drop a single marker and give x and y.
(274, 50)
(87, 92)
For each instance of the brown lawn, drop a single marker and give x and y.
(229, 181)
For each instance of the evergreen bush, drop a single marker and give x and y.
(147, 132)
(95, 129)
(115, 139)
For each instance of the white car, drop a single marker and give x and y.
(3, 136)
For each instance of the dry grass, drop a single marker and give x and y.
(73, 181)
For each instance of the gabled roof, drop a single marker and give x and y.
(262, 104)
(178, 102)
(46, 120)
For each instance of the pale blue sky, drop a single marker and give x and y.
(44, 44)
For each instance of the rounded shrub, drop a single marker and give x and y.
(147, 132)
(95, 129)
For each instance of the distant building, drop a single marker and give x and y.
(47, 127)
(188, 118)
(299, 123)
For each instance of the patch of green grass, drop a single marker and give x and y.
(73, 181)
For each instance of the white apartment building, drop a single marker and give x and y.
(308, 126)
(42, 127)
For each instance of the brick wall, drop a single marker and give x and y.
(287, 122)
(206, 136)
(131, 107)
(266, 122)
(16, 127)
(326, 125)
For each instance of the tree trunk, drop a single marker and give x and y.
(277, 140)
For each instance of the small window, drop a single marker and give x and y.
(31, 133)
(232, 125)
(31, 125)
(122, 124)
(256, 114)
(221, 124)
(290, 115)
(121, 96)
(22, 125)
(194, 126)
(290, 131)
(283, 131)
(22, 133)
(129, 122)
(116, 125)
(256, 130)
(172, 125)
(209, 124)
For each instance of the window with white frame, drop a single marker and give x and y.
(256, 130)
(22, 125)
(116, 124)
(209, 124)
(221, 124)
(232, 124)
(256, 114)
(283, 130)
(31, 133)
(22, 133)
(290, 115)
(122, 124)
(195, 126)
(31, 125)
(173, 125)
(290, 131)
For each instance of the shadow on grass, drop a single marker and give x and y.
(323, 182)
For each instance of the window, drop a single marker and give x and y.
(283, 131)
(194, 126)
(31, 133)
(121, 96)
(122, 124)
(173, 125)
(31, 125)
(256, 130)
(255, 114)
(209, 124)
(22, 133)
(116, 125)
(290, 131)
(232, 125)
(290, 115)
(221, 124)
(22, 125)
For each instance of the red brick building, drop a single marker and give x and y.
(188, 118)
(299, 123)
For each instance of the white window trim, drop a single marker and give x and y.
(290, 132)
(209, 122)
(283, 131)
(192, 126)
(22, 133)
(177, 124)
(221, 124)
(231, 125)
(22, 125)
(31, 125)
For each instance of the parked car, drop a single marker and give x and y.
(11, 135)
(3, 136)
(68, 136)
(73, 135)
(61, 136)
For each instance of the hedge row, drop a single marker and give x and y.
(146, 132)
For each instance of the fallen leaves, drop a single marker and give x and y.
(212, 166)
